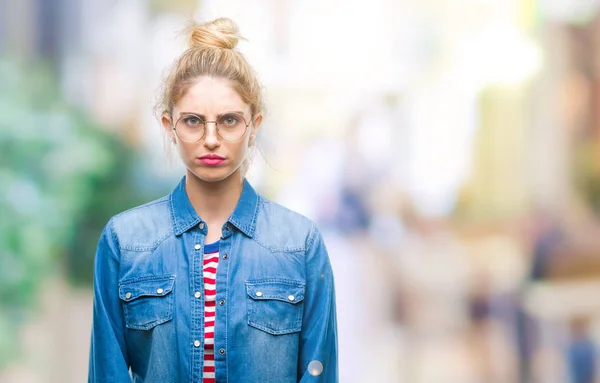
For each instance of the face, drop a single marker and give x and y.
(212, 158)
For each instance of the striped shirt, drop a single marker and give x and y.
(209, 270)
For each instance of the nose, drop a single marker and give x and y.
(211, 139)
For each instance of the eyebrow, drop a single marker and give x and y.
(218, 115)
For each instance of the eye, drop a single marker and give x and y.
(229, 120)
(193, 120)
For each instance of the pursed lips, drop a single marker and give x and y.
(211, 159)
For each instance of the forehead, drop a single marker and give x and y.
(211, 95)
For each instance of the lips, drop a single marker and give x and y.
(211, 159)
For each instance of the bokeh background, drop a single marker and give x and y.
(449, 151)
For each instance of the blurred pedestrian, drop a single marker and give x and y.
(581, 353)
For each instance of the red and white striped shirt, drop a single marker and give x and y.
(209, 270)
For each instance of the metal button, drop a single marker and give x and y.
(160, 291)
(222, 351)
(128, 295)
(201, 225)
(291, 298)
(222, 302)
(315, 368)
(197, 247)
(225, 256)
(227, 227)
(196, 343)
(258, 294)
(198, 294)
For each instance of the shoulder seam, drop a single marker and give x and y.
(311, 236)
(114, 238)
(308, 224)
(274, 249)
(158, 201)
(148, 248)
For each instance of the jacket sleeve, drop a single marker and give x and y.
(108, 350)
(318, 344)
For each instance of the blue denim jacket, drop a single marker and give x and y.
(147, 318)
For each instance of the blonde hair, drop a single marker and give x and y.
(212, 52)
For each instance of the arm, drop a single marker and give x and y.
(108, 350)
(318, 339)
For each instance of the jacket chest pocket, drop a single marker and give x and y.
(275, 306)
(147, 301)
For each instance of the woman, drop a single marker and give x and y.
(213, 283)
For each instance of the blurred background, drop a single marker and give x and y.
(449, 151)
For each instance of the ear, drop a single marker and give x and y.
(255, 126)
(167, 123)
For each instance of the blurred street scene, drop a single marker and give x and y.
(448, 150)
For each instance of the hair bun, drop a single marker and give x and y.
(220, 33)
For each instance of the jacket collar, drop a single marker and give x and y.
(184, 215)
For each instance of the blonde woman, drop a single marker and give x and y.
(213, 283)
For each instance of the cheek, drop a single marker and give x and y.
(239, 151)
(184, 149)
(245, 147)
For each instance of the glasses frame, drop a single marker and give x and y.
(174, 126)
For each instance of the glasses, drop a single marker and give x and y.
(191, 127)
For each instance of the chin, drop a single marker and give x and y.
(212, 175)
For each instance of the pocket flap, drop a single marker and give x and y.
(146, 286)
(286, 291)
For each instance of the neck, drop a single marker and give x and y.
(214, 201)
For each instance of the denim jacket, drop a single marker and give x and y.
(148, 316)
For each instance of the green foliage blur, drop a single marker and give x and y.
(61, 178)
